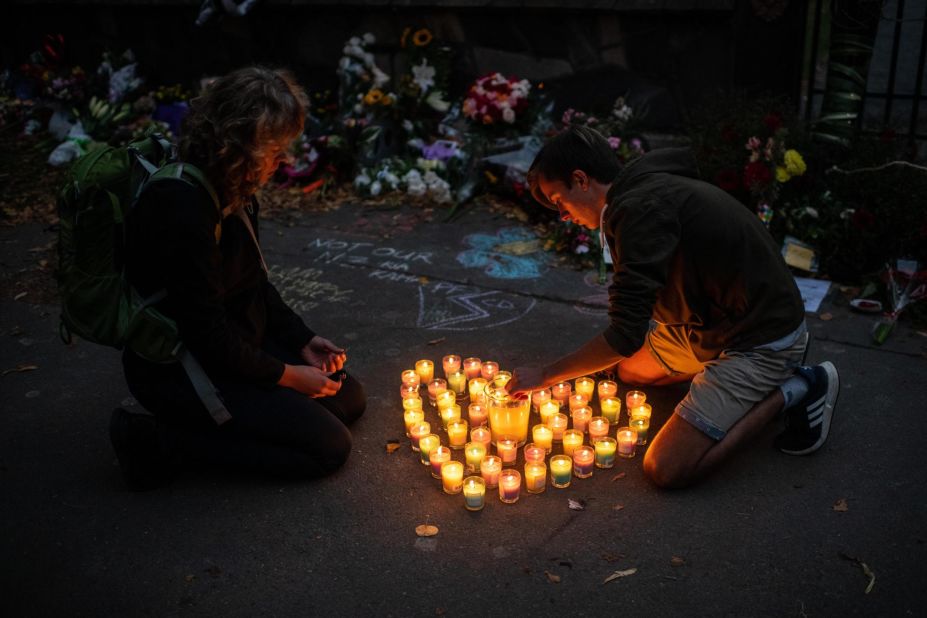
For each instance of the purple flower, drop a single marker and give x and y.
(614, 142)
(440, 150)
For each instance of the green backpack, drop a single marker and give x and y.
(97, 302)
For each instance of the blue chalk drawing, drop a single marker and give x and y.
(498, 264)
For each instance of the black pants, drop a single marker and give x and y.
(275, 431)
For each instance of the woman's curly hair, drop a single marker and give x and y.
(233, 120)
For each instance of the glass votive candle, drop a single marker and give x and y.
(474, 492)
(457, 382)
(535, 477)
(452, 476)
(474, 453)
(548, 409)
(641, 426)
(627, 439)
(417, 431)
(577, 401)
(449, 414)
(477, 388)
(409, 391)
(451, 364)
(488, 370)
(558, 423)
(445, 399)
(483, 435)
(435, 388)
(490, 468)
(583, 461)
(534, 452)
(585, 386)
(477, 414)
(472, 366)
(607, 388)
(561, 470)
(597, 428)
(543, 436)
(581, 417)
(507, 450)
(425, 370)
(605, 452)
(457, 434)
(642, 410)
(561, 391)
(571, 440)
(412, 403)
(509, 485)
(632, 399)
(426, 444)
(436, 458)
(413, 417)
(410, 377)
(539, 398)
(611, 408)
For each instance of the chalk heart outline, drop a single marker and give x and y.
(484, 253)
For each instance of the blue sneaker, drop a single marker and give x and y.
(808, 422)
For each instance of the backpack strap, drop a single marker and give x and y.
(205, 389)
(188, 172)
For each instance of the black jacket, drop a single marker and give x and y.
(217, 292)
(686, 252)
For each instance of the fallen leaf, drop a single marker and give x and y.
(575, 505)
(554, 579)
(826, 317)
(392, 445)
(20, 369)
(677, 561)
(436, 341)
(617, 507)
(20, 295)
(619, 476)
(865, 568)
(423, 280)
(426, 530)
(841, 505)
(619, 575)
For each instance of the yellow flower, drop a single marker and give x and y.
(782, 174)
(794, 164)
(373, 96)
(422, 37)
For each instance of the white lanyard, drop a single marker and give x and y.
(606, 253)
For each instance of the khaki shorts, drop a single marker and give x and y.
(725, 389)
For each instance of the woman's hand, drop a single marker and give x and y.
(324, 354)
(307, 380)
(526, 379)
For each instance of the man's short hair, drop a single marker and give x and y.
(575, 148)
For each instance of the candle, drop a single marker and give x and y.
(533, 452)
(414, 417)
(482, 435)
(607, 388)
(409, 391)
(474, 491)
(426, 444)
(474, 453)
(477, 414)
(585, 386)
(597, 428)
(605, 452)
(539, 398)
(627, 439)
(583, 462)
(642, 410)
(435, 388)
(571, 439)
(558, 423)
(489, 370)
(457, 382)
(417, 431)
(436, 458)
(547, 409)
(535, 477)
(451, 364)
(508, 451)
(472, 367)
(477, 388)
(611, 407)
(411, 378)
(543, 437)
(445, 399)
(425, 370)
(632, 399)
(509, 486)
(452, 476)
(577, 401)
(561, 470)
(581, 418)
(449, 414)
(490, 468)
(641, 426)
(412, 403)
(457, 434)
(561, 391)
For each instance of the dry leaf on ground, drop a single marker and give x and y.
(552, 578)
(619, 476)
(617, 507)
(677, 561)
(426, 530)
(436, 341)
(619, 575)
(576, 505)
(20, 369)
(841, 505)
(866, 570)
(392, 445)
(20, 295)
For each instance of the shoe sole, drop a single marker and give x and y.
(830, 402)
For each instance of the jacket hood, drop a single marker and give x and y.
(677, 161)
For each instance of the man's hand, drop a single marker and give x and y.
(307, 380)
(324, 354)
(526, 379)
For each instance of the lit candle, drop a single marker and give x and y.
(452, 476)
(413, 417)
(539, 398)
(533, 452)
(436, 458)
(409, 391)
(558, 423)
(445, 399)
(488, 370)
(474, 453)
(474, 491)
(611, 407)
(581, 418)
(449, 414)
(426, 444)
(490, 468)
(642, 410)
(477, 388)
(411, 378)
(435, 388)
(641, 426)
(535, 477)
(577, 401)
(627, 439)
(477, 414)
(416, 432)
(425, 370)
(482, 435)
(585, 386)
(412, 403)
(457, 382)
(509, 486)
(605, 452)
(607, 388)
(508, 451)
(561, 470)
(451, 364)
(571, 440)
(472, 367)
(632, 399)
(597, 428)
(561, 391)
(543, 437)
(583, 461)
(547, 409)
(457, 434)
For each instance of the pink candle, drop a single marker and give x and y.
(633, 399)
(534, 452)
(477, 414)
(583, 461)
(411, 377)
(539, 398)
(482, 435)
(489, 370)
(472, 367)
(558, 423)
(561, 392)
(437, 457)
(627, 440)
(490, 468)
(451, 364)
(597, 428)
(435, 388)
(508, 451)
(577, 401)
(408, 390)
(509, 486)
(581, 417)
(416, 432)
(607, 388)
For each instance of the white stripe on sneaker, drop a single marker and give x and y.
(816, 423)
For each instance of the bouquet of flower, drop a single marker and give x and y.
(396, 174)
(770, 164)
(495, 99)
(361, 82)
(616, 127)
